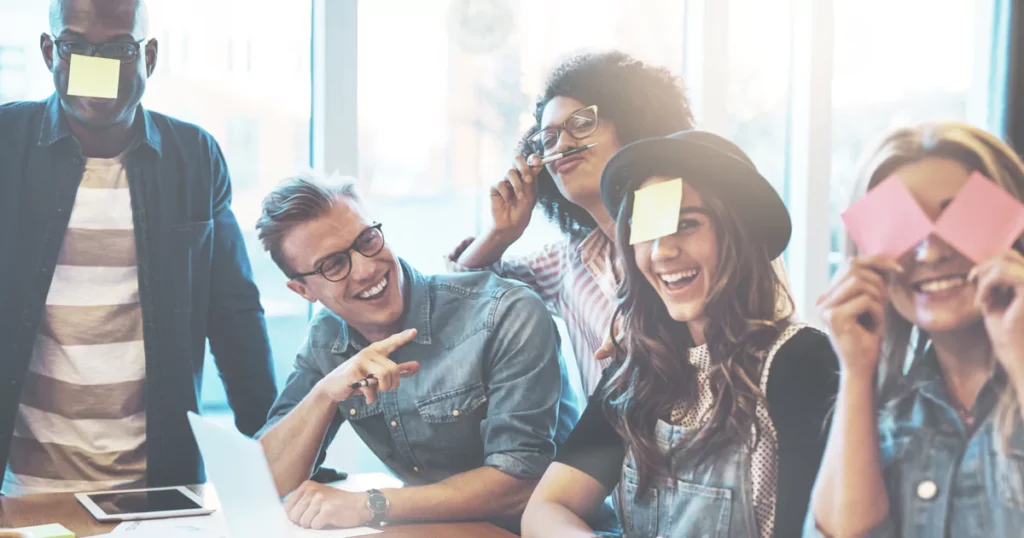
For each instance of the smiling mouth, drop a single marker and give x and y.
(675, 281)
(939, 285)
(374, 292)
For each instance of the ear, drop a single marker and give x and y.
(47, 47)
(301, 289)
(151, 50)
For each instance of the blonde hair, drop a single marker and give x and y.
(976, 150)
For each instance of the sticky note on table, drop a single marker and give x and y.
(887, 220)
(656, 211)
(91, 76)
(54, 530)
(982, 220)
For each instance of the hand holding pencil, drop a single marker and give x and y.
(371, 370)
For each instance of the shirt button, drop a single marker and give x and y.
(352, 412)
(415, 469)
(455, 413)
(926, 490)
(394, 423)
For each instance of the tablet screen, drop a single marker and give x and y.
(141, 502)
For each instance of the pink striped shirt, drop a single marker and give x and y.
(577, 281)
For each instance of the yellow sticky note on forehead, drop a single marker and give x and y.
(93, 77)
(656, 211)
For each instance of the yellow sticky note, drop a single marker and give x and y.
(93, 77)
(656, 211)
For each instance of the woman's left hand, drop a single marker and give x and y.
(1000, 283)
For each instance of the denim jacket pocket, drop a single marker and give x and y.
(1009, 470)
(639, 514)
(460, 405)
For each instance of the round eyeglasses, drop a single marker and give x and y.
(336, 266)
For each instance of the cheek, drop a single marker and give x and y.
(902, 300)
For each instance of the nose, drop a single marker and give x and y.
(932, 250)
(362, 268)
(664, 248)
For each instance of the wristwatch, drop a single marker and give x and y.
(378, 505)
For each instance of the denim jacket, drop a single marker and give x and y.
(195, 281)
(491, 389)
(941, 479)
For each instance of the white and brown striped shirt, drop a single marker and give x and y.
(577, 281)
(81, 424)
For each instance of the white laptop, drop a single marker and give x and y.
(245, 487)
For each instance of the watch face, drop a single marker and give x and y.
(378, 502)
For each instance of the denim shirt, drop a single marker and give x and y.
(491, 390)
(195, 281)
(941, 479)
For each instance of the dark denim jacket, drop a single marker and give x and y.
(492, 389)
(941, 479)
(194, 275)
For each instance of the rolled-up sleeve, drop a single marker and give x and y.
(300, 382)
(543, 271)
(524, 387)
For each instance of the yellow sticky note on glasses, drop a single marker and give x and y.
(656, 211)
(93, 77)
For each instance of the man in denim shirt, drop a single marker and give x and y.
(485, 397)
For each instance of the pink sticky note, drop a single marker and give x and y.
(887, 220)
(982, 220)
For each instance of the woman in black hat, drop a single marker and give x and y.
(712, 421)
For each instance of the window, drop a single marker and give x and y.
(905, 73)
(758, 84)
(439, 121)
(259, 112)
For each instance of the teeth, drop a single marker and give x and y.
(374, 290)
(676, 277)
(942, 284)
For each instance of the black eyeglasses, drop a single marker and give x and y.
(124, 51)
(338, 265)
(579, 125)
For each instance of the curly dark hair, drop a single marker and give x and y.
(640, 100)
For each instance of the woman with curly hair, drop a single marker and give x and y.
(605, 98)
(712, 423)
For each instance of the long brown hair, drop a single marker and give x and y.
(976, 150)
(747, 315)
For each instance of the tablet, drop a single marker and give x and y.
(150, 503)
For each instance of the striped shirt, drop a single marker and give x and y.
(81, 423)
(577, 280)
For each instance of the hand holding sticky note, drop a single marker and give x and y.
(90, 76)
(981, 221)
(656, 211)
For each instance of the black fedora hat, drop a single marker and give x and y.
(712, 165)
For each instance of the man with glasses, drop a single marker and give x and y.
(119, 258)
(484, 399)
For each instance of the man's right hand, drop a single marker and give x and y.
(373, 361)
(514, 197)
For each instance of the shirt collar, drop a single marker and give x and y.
(926, 377)
(55, 127)
(417, 313)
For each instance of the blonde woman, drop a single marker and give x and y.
(927, 437)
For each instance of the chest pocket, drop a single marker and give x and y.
(639, 514)
(465, 405)
(1009, 471)
(356, 408)
(188, 254)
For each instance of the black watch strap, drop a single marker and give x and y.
(378, 505)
